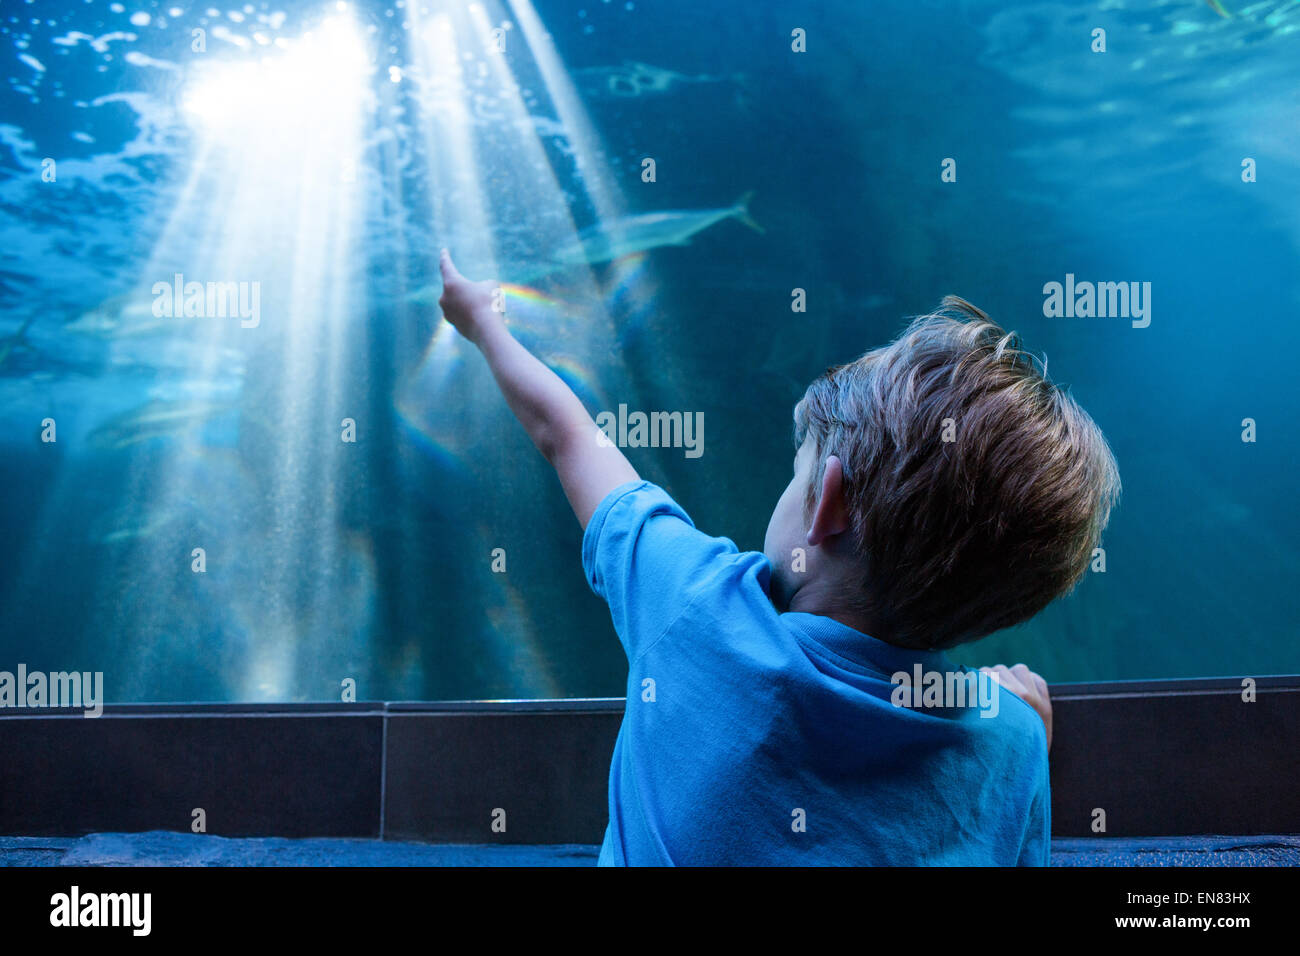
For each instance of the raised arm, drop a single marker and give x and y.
(562, 430)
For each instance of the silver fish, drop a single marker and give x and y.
(130, 524)
(638, 79)
(606, 241)
(155, 419)
(123, 316)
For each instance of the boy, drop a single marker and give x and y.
(796, 706)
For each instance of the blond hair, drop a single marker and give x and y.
(978, 489)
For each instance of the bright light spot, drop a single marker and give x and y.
(395, 74)
(321, 75)
(140, 19)
(221, 33)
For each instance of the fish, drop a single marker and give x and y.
(142, 520)
(155, 419)
(123, 316)
(12, 343)
(638, 79)
(604, 242)
(132, 523)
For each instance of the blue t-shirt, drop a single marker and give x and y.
(754, 737)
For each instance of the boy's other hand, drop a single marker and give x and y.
(1029, 687)
(468, 305)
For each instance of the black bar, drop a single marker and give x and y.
(306, 906)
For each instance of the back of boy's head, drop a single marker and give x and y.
(978, 489)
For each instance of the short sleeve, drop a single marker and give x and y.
(642, 554)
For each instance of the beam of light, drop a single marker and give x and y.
(275, 193)
(318, 81)
(476, 121)
(316, 160)
(632, 281)
(445, 48)
(274, 196)
(458, 198)
(500, 206)
(588, 153)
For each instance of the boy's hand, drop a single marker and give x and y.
(468, 305)
(553, 416)
(1029, 687)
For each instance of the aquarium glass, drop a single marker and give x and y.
(244, 459)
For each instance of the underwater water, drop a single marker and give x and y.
(294, 476)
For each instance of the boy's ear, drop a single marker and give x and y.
(831, 516)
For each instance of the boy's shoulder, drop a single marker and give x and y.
(664, 578)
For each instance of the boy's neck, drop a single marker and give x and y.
(804, 602)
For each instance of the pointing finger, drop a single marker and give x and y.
(449, 270)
